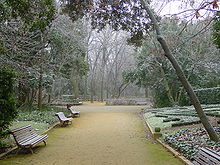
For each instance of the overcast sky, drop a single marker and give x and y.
(167, 8)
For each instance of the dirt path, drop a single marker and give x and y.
(102, 135)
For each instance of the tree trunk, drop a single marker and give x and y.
(102, 89)
(212, 134)
(49, 91)
(167, 87)
(22, 91)
(146, 92)
(39, 101)
(85, 88)
(121, 89)
(103, 74)
(75, 84)
(92, 90)
(75, 88)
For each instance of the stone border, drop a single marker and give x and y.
(14, 148)
(7, 152)
(167, 147)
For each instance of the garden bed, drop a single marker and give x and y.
(181, 128)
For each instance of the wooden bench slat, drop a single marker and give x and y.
(21, 128)
(22, 132)
(25, 139)
(204, 161)
(34, 140)
(196, 163)
(210, 157)
(207, 157)
(199, 161)
(25, 136)
(216, 154)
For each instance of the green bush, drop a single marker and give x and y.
(8, 110)
(171, 119)
(161, 98)
(45, 115)
(181, 123)
(206, 96)
(209, 95)
(157, 129)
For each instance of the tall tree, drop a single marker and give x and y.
(216, 30)
(67, 43)
(109, 56)
(23, 31)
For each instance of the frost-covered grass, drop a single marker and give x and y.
(164, 117)
(156, 121)
(46, 115)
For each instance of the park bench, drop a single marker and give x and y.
(73, 112)
(26, 137)
(206, 156)
(63, 119)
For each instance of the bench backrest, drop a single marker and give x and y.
(207, 156)
(61, 115)
(23, 134)
(72, 110)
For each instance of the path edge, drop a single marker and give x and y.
(167, 147)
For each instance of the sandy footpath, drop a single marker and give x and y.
(102, 135)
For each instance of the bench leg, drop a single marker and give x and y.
(19, 148)
(31, 150)
(62, 123)
(45, 143)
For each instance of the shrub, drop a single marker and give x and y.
(157, 129)
(161, 98)
(171, 119)
(7, 102)
(181, 123)
(209, 95)
(45, 115)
